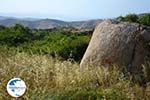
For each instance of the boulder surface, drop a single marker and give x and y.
(119, 43)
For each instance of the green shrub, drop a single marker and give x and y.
(129, 18)
(14, 35)
(66, 47)
(145, 20)
(56, 42)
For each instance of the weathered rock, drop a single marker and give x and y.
(120, 43)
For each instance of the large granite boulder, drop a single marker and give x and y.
(120, 43)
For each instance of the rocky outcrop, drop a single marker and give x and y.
(120, 43)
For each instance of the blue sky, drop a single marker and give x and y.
(72, 9)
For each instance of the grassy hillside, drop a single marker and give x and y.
(48, 62)
(50, 79)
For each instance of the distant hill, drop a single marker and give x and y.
(84, 24)
(143, 14)
(47, 23)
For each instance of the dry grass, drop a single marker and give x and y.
(43, 75)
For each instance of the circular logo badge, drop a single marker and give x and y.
(16, 87)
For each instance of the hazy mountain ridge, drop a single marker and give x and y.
(47, 23)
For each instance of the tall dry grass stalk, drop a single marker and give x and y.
(43, 73)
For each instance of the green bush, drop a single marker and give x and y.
(57, 44)
(145, 20)
(129, 18)
(14, 35)
(54, 42)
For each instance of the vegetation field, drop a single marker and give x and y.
(48, 62)
(49, 78)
